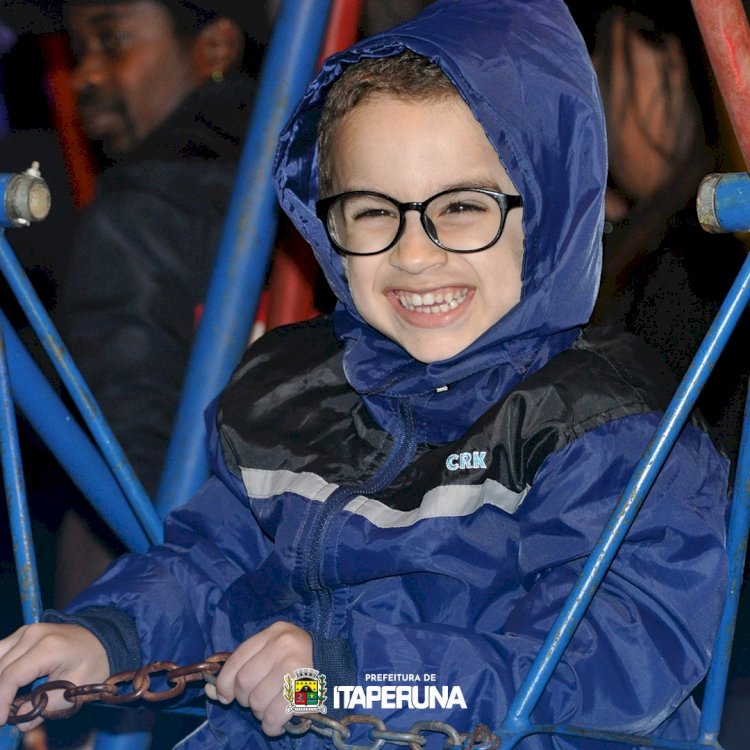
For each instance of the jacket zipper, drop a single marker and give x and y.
(401, 454)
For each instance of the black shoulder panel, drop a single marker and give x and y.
(291, 383)
(326, 430)
(605, 375)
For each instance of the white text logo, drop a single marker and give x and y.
(397, 696)
(467, 460)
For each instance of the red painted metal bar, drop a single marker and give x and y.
(342, 28)
(726, 35)
(294, 272)
(292, 282)
(79, 161)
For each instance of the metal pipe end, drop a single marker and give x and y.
(27, 197)
(706, 205)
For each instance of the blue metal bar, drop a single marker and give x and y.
(739, 526)
(511, 739)
(123, 741)
(68, 442)
(246, 245)
(723, 202)
(79, 391)
(18, 512)
(618, 525)
(15, 494)
(10, 737)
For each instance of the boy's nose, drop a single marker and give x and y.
(415, 252)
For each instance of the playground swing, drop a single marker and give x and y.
(722, 207)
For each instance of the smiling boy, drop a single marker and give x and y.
(412, 486)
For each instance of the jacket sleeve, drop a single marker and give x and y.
(127, 314)
(172, 591)
(646, 639)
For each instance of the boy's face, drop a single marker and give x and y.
(410, 151)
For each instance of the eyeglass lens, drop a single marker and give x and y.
(462, 220)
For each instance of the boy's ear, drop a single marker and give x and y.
(217, 49)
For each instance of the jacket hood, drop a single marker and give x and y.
(524, 71)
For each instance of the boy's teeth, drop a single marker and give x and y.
(432, 302)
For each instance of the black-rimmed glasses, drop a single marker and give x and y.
(460, 220)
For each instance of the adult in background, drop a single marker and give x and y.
(165, 88)
(664, 277)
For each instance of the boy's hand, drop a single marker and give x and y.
(254, 674)
(64, 652)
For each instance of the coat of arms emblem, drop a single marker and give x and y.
(305, 691)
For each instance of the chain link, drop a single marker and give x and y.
(115, 691)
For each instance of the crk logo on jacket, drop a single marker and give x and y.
(466, 460)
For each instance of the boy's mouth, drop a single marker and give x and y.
(438, 301)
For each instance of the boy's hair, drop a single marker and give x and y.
(406, 76)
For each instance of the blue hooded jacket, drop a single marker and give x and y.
(414, 529)
(526, 76)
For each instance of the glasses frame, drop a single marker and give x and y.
(504, 201)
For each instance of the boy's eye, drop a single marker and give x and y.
(459, 210)
(462, 207)
(373, 213)
(368, 208)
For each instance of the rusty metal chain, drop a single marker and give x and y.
(481, 738)
(109, 691)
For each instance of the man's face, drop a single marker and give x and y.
(131, 70)
(432, 302)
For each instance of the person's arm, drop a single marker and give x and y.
(145, 607)
(172, 591)
(646, 640)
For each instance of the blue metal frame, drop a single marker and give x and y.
(79, 391)
(517, 725)
(243, 258)
(722, 202)
(67, 441)
(245, 248)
